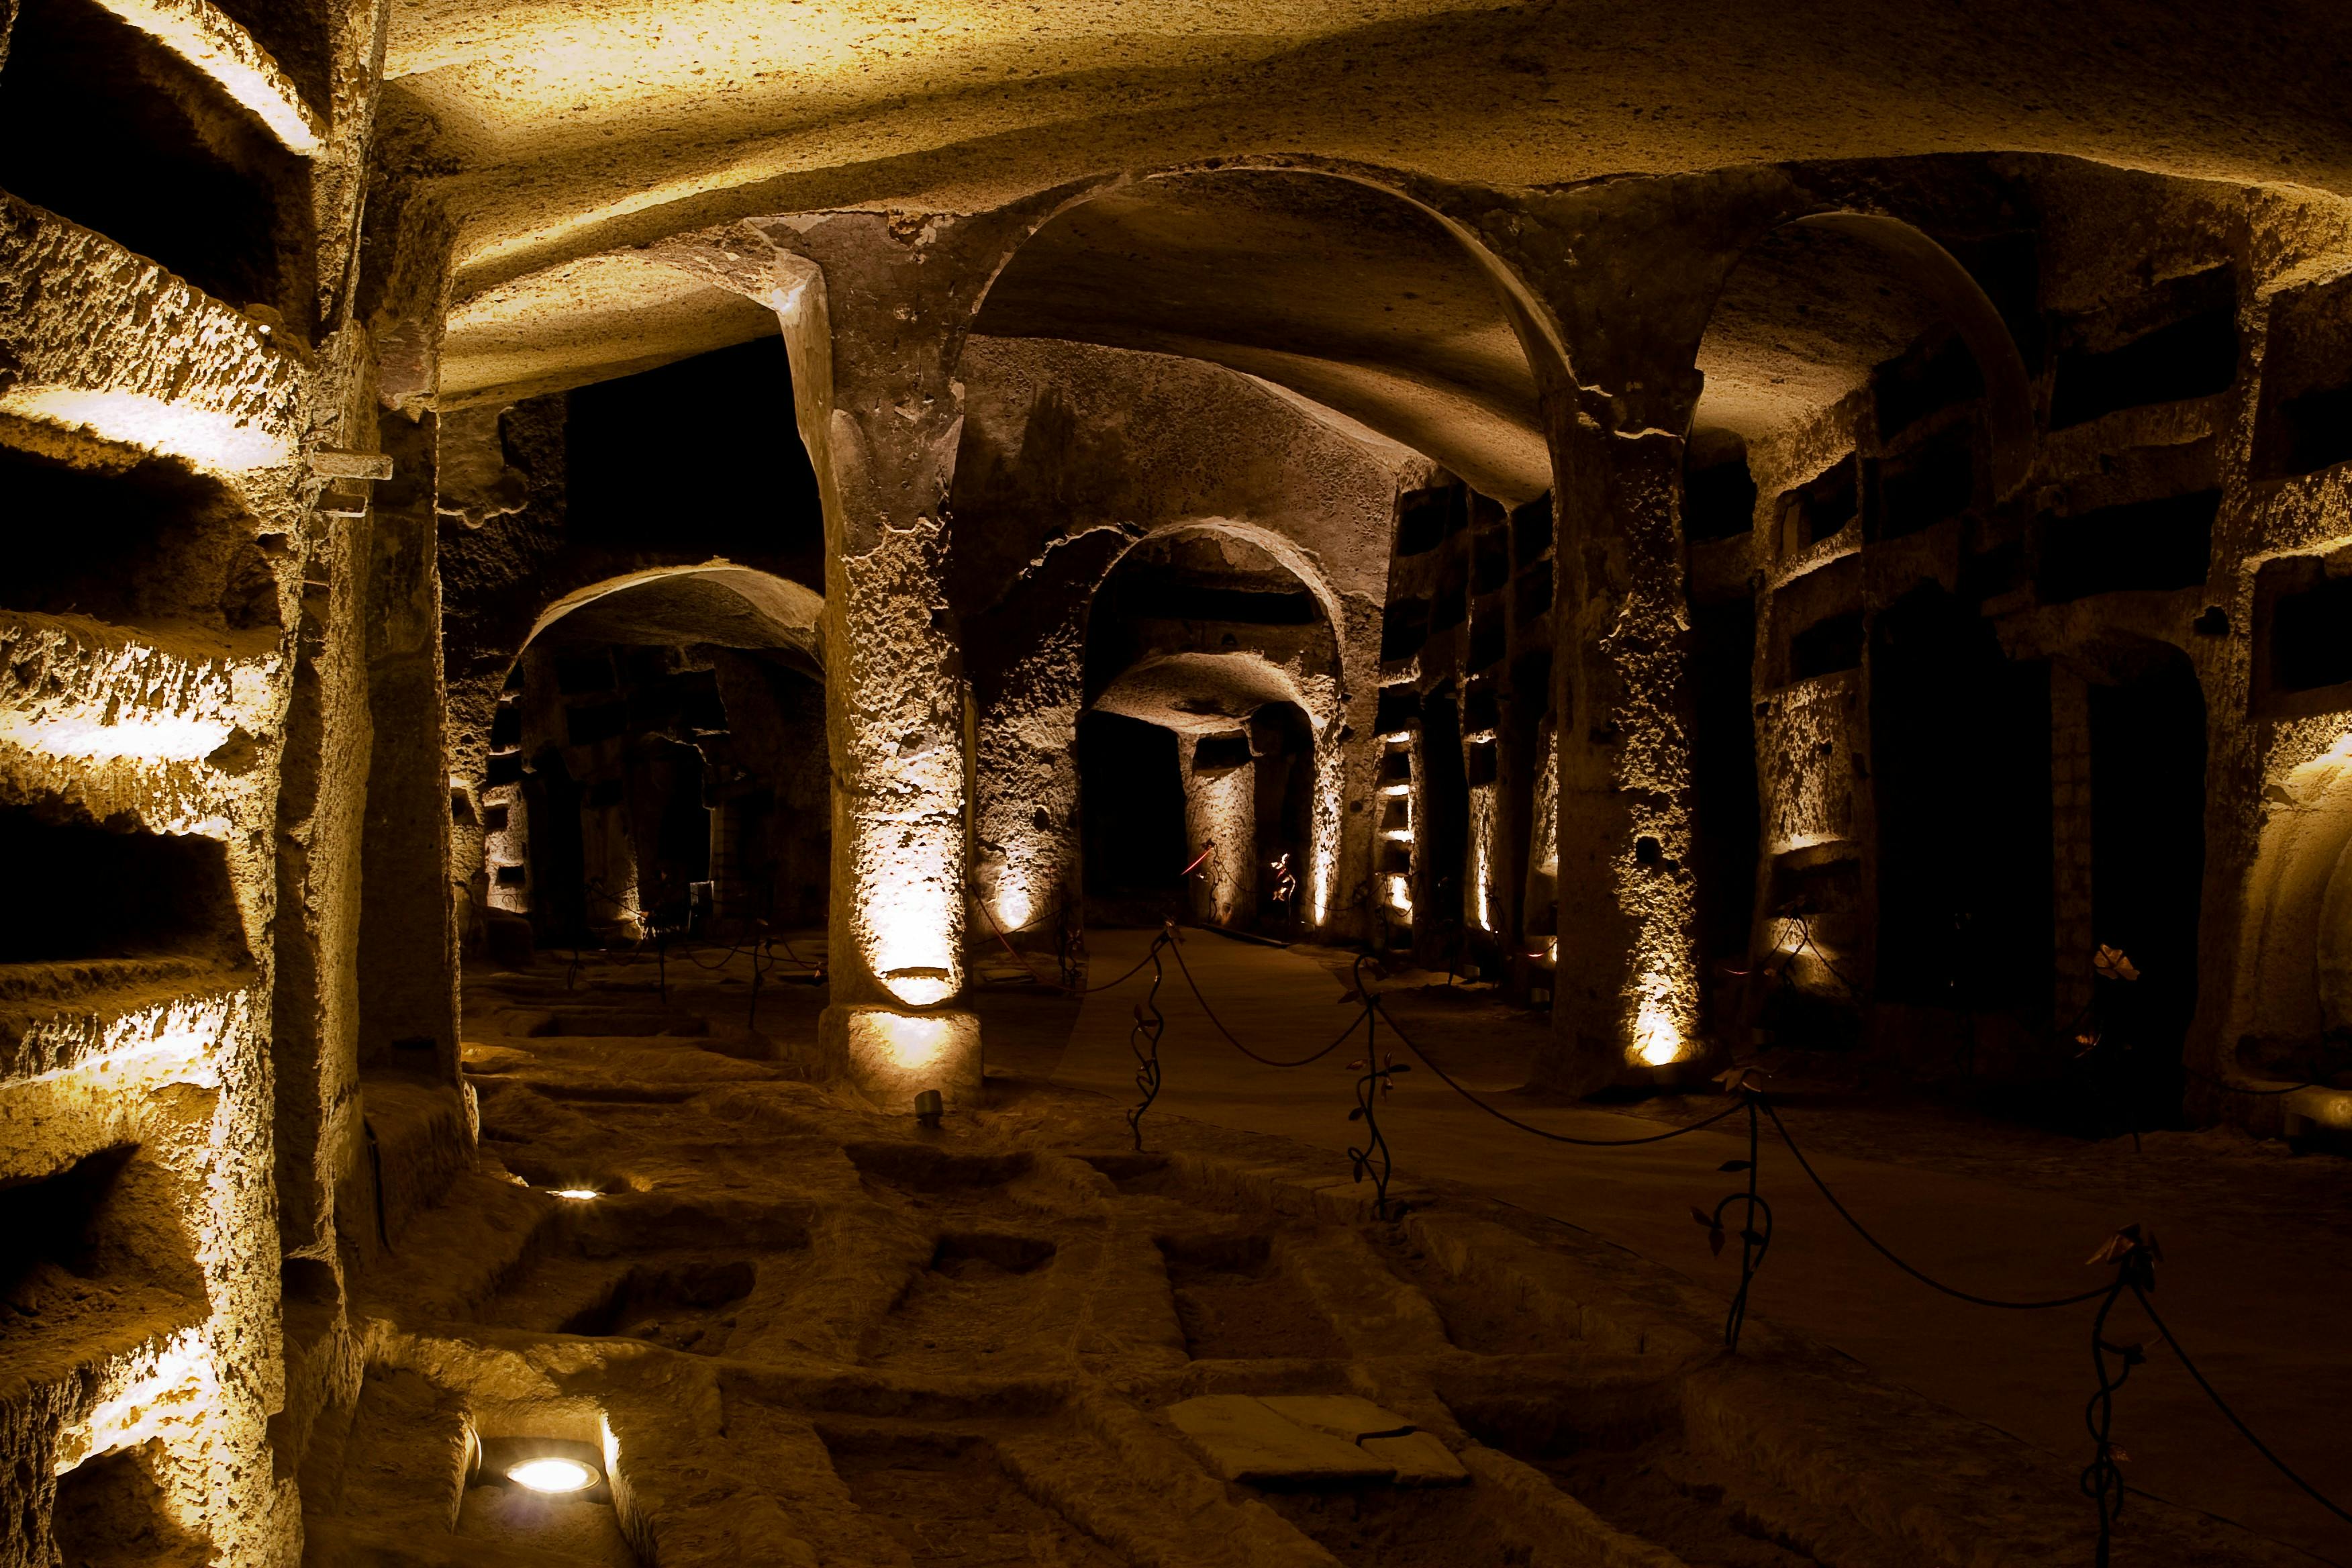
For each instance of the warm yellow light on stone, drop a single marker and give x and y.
(893, 1056)
(920, 987)
(206, 38)
(209, 440)
(1657, 1031)
(910, 925)
(914, 1043)
(162, 738)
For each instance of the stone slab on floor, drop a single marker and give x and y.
(1244, 1439)
(1343, 1416)
(1418, 1458)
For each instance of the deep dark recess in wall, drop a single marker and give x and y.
(732, 476)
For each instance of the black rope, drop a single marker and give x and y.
(1881, 1249)
(1186, 970)
(2224, 1406)
(1065, 987)
(1132, 973)
(729, 956)
(1447, 1079)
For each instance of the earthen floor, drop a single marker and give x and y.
(2253, 1240)
(805, 1332)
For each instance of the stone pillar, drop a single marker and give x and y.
(1626, 997)
(1028, 659)
(320, 814)
(1336, 884)
(408, 932)
(1220, 822)
(874, 313)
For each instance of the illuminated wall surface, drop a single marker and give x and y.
(1349, 473)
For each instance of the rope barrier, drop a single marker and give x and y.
(2222, 1404)
(2134, 1256)
(1231, 1040)
(1885, 1251)
(1448, 1080)
(1753, 1243)
(1143, 1040)
(2132, 1252)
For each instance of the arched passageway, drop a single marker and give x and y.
(658, 762)
(1848, 484)
(1908, 650)
(1381, 332)
(1214, 671)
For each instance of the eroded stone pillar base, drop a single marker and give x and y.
(891, 1057)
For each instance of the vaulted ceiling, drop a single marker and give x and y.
(563, 134)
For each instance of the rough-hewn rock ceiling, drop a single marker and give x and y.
(1338, 291)
(562, 135)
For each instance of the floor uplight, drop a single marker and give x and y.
(580, 1194)
(552, 1475)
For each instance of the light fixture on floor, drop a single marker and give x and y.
(552, 1475)
(578, 1195)
(929, 1107)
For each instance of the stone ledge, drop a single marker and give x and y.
(208, 39)
(109, 343)
(161, 726)
(114, 1008)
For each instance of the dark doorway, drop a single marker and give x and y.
(1961, 763)
(2147, 871)
(1440, 834)
(1285, 746)
(1723, 775)
(559, 873)
(665, 783)
(1131, 821)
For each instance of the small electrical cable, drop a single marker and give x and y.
(2228, 1088)
(1805, 942)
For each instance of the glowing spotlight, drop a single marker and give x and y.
(578, 1195)
(552, 1475)
(1657, 1034)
